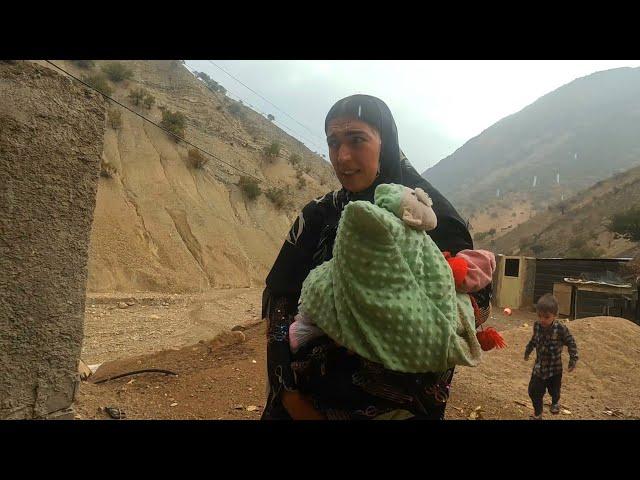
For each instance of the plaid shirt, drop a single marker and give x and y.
(548, 343)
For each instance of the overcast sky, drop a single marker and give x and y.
(438, 104)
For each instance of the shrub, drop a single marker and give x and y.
(627, 224)
(107, 170)
(492, 231)
(196, 159)
(86, 64)
(99, 82)
(272, 150)
(149, 100)
(301, 182)
(480, 236)
(235, 108)
(137, 95)
(537, 249)
(174, 122)
(271, 117)
(576, 242)
(117, 71)
(277, 196)
(294, 159)
(494, 214)
(115, 118)
(250, 187)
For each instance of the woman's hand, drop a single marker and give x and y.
(300, 407)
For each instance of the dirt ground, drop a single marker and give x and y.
(221, 374)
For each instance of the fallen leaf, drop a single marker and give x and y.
(253, 361)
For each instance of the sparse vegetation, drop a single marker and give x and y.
(249, 187)
(492, 231)
(627, 224)
(107, 170)
(136, 96)
(235, 108)
(277, 196)
(98, 81)
(208, 81)
(115, 118)
(196, 160)
(480, 236)
(149, 100)
(175, 122)
(294, 159)
(272, 150)
(302, 182)
(536, 249)
(117, 72)
(85, 64)
(271, 117)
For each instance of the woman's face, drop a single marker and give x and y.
(354, 150)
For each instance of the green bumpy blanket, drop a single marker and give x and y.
(388, 293)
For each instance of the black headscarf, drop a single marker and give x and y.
(310, 240)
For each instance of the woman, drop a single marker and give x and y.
(364, 152)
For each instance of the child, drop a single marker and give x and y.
(549, 336)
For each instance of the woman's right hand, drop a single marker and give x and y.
(299, 406)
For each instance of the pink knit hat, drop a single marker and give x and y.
(482, 264)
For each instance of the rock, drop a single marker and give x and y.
(253, 361)
(130, 303)
(252, 408)
(525, 324)
(154, 317)
(84, 370)
(238, 328)
(238, 407)
(122, 305)
(565, 411)
(174, 404)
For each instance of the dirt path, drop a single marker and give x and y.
(225, 378)
(155, 322)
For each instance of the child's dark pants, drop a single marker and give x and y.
(537, 387)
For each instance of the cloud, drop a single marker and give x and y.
(438, 105)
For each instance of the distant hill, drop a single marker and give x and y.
(564, 142)
(576, 227)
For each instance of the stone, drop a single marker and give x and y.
(122, 305)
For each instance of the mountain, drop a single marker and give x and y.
(577, 227)
(161, 223)
(564, 142)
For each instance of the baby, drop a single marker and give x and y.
(389, 294)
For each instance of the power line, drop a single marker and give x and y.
(258, 110)
(152, 122)
(265, 99)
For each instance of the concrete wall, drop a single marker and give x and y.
(51, 134)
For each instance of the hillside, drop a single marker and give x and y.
(161, 225)
(569, 139)
(577, 227)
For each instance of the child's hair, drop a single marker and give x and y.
(547, 303)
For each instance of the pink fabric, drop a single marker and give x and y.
(482, 264)
(301, 331)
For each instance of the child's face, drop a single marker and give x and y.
(546, 319)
